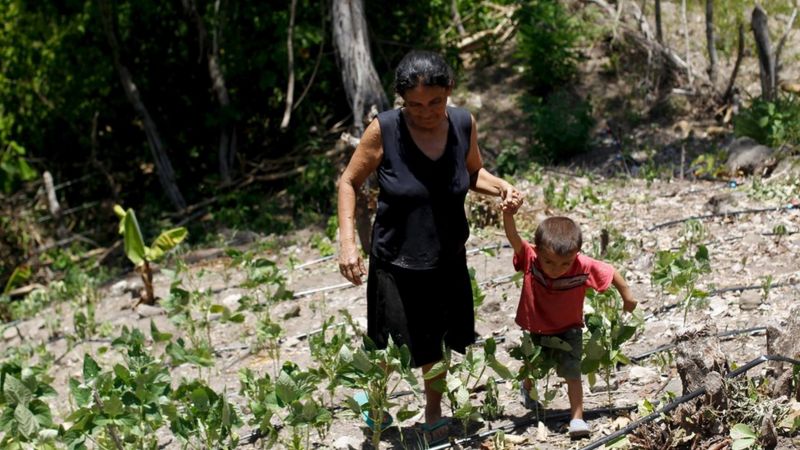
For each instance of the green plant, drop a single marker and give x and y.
(547, 44)
(710, 165)
(141, 255)
(201, 417)
(123, 405)
(772, 123)
(323, 244)
(511, 160)
(561, 124)
(462, 377)
(556, 199)
(538, 362)
(477, 293)
(744, 437)
(325, 346)
(312, 191)
(607, 331)
(677, 273)
(290, 400)
(372, 369)
(25, 417)
(14, 168)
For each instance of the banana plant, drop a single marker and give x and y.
(141, 255)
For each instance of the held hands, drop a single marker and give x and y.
(512, 199)
(351, 266)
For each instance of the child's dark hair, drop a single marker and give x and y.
(561, 235)
(420, 67)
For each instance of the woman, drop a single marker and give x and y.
(426, 157)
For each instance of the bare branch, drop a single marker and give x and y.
(287, 113)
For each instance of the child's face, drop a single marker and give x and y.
(555, 265)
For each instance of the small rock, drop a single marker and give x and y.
(749, 300)
(620, 423)
(541, 432)
(642, 375)
(347, 443)
(10, 333)
(294, 312)
(232, 300)
(119, 288)
(145, 311)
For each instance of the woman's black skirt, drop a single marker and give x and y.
(421, 308)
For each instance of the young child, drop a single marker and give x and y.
(556, 278)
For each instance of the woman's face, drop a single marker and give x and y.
(425, 106)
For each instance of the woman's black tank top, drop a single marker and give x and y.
(420, 222)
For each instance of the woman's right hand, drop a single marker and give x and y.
(351, 266)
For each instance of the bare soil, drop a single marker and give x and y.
(743, 252)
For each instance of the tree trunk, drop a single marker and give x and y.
(766, 59)
(361, 82)
(227, 135)
(685, 24)
(362, 86)
(166, 174)
(712, 48)
(659, 29)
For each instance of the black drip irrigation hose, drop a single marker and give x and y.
(710, 216)
(685, 398)
(666, 347)
(528, 422)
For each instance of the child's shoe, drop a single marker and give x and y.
(578, 428)
(528, 402)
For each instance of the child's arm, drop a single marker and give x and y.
(511, 231)
(628, 302)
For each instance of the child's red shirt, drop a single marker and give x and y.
(551, 306)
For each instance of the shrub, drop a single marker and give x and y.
(561, 125)
(772, 123)
(547, 44)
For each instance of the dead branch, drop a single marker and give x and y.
(316, 63)
(766, 58)
(287, 113)
(673, 61)
(497, 34)
(739, 56)
(457, 18)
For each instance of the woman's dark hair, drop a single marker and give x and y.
(420, 67)
(559, 234)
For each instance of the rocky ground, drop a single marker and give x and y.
(754, 279)
(744, 252)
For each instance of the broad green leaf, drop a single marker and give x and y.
(500, 369)
(437, 369)
(16, 391)
(286, 388)
(20, 275)
(134, 243)
(81, 393)
(26, 422)
(165, 242)
(113, 407)
(200, 399)
(90, 369)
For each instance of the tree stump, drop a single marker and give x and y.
(697, 353)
